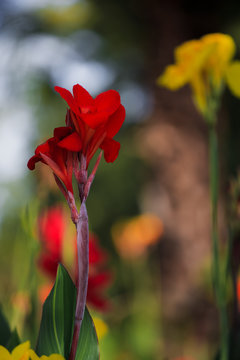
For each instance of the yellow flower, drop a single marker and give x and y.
(23, 352)
(33, 356)
(221, 55)
(206, 65)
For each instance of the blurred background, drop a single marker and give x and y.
(149, 209)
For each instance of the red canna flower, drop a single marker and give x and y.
(56, 156)
(90, 124)
(53, 227)
(96, 121)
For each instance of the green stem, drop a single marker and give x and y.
(213, 159)
(219, 283)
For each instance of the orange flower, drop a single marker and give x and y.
(132, 237)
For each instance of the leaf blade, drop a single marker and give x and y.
(56, 329)
(57, 318)
(13, 340)
(88, 343)
(5, 331)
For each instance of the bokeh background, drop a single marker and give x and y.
(162, 302)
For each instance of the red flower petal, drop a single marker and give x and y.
(71, 142)
(83, 98)
(111, 149)
(68, 121)
(43, 148)
(101, 280)
(77, 123)
(95, 142)
(61, 132)
(54, 166)
(32, 161)
(96, 254)
(48, 264)
(52, 226)
(108, 101)
(94, 120)
(97, 300)
(67, 96)
(115, 122)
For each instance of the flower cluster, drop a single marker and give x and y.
(95, 121)
(54, 229)
(206, 65)
(23, 352)
(90, 124)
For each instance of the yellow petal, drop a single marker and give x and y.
(233, 78)
(174, 77)
(4, 354)
(55, 357)
(190, 57)
(21, 351)
(218, 61)
(100, 326)
(193, 54)
(225, 46)
(200, 92)
(32, 355)
(187, 51)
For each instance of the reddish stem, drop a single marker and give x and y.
(91, 177)
(81, 222)
(82, 283)
(73, 208)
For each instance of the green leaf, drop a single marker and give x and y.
(57, 318)
(13, 341)
(57, 323)
(5, 331)
(8, 339)
(88, 343)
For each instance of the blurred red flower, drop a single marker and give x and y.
(96, 121)
(53, 227)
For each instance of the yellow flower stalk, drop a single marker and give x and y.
(23, 352)
(206, 65)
